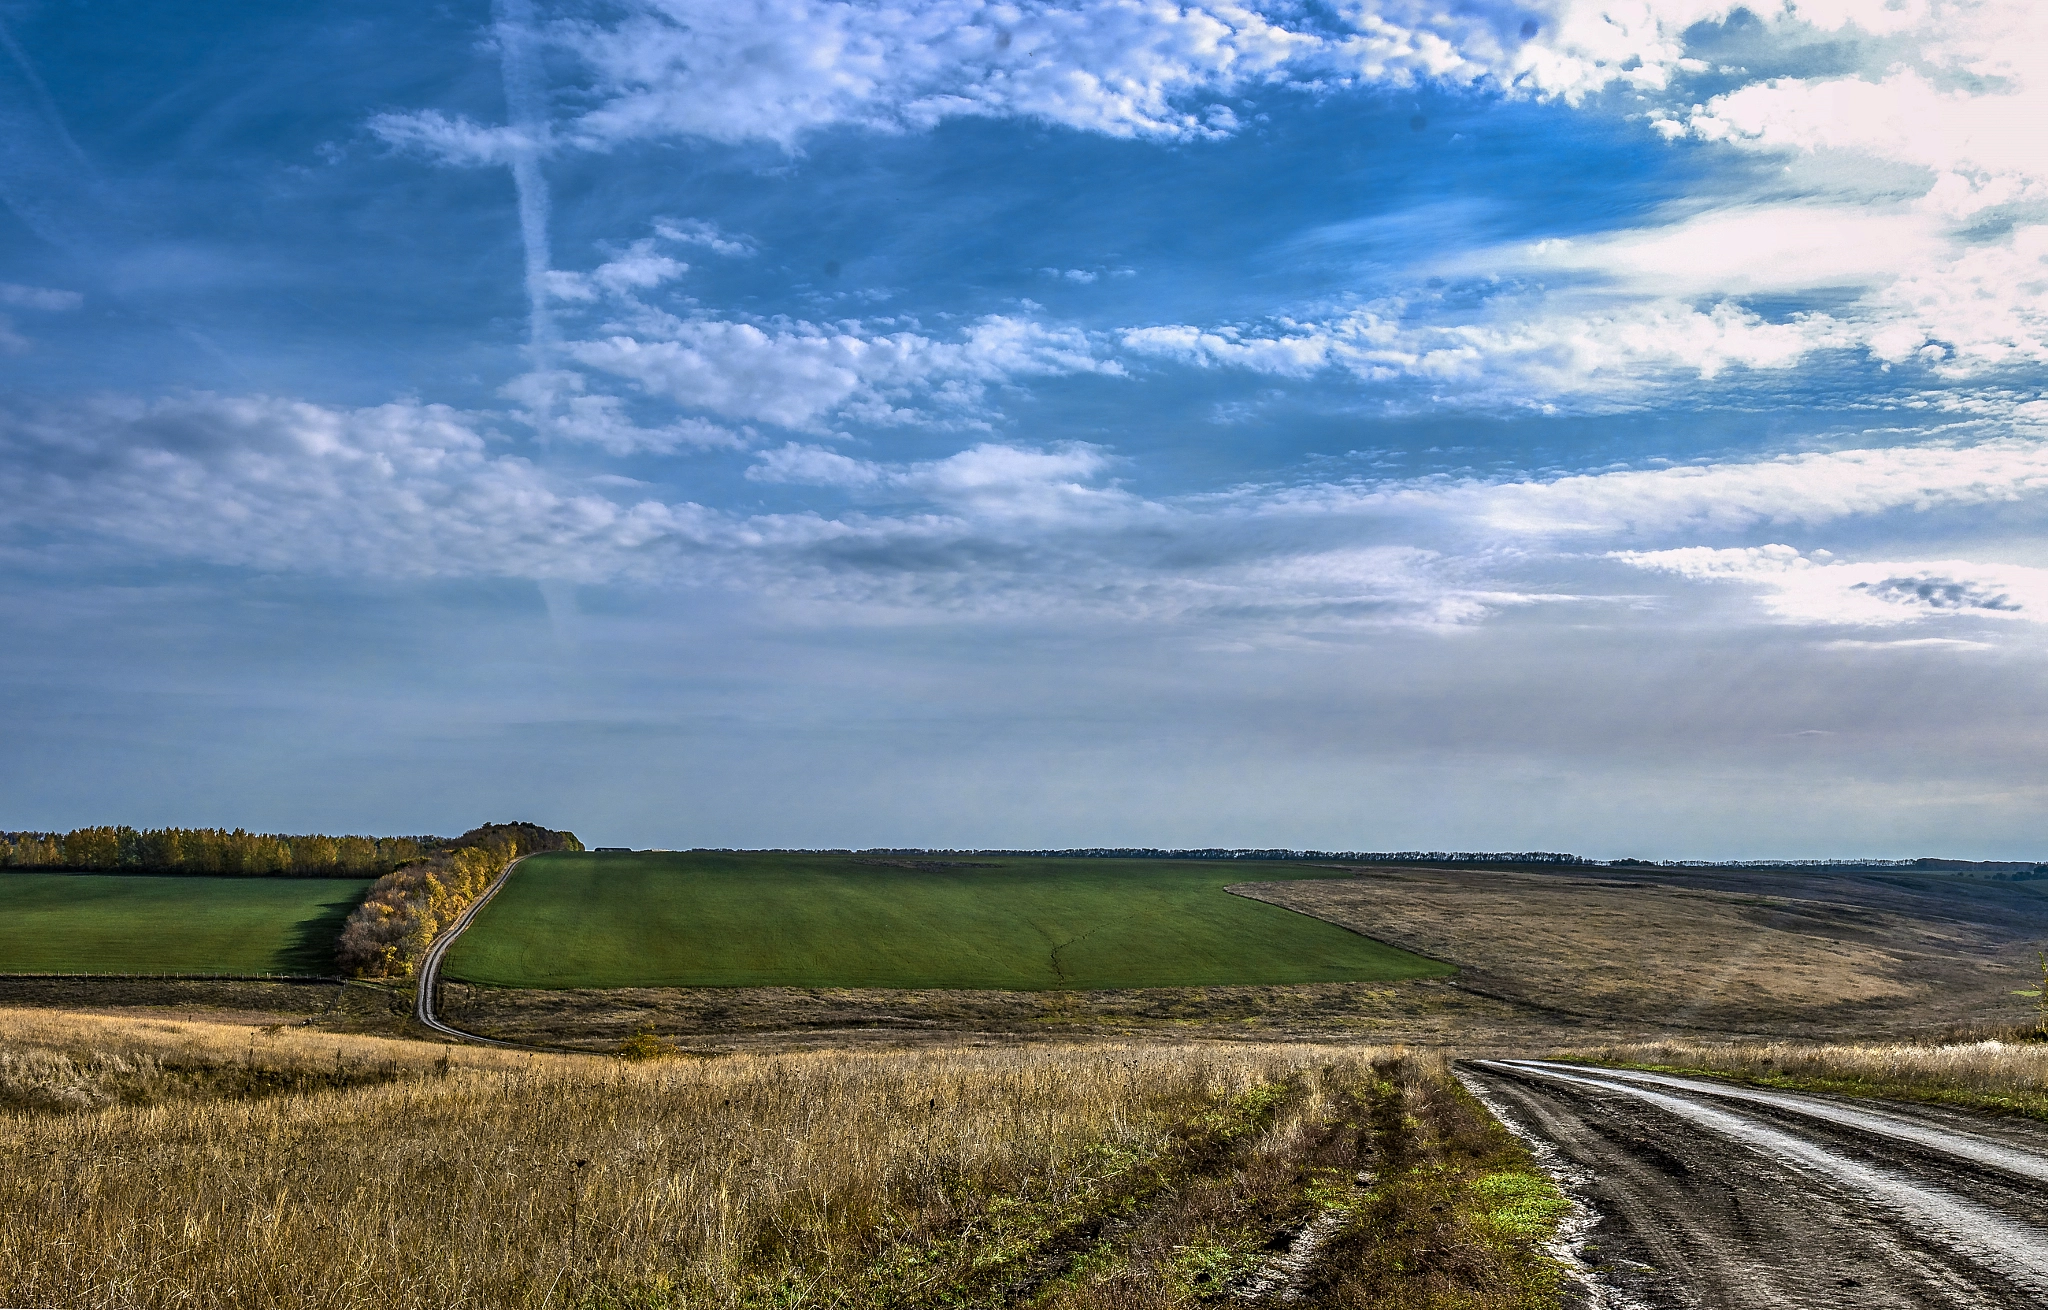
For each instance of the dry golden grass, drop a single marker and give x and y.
(1777, 952)
(54, 1060)
(155, 1163)
(1610, 945)
(1996, 1075)
(516, 1180)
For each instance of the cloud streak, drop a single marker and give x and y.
(409, 490)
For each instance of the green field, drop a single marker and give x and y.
(770, 919)
(117, 923)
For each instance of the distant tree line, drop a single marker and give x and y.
(1220, 853)
(2013, 870)
(407, 908)
(211, 851)
(2004, 870)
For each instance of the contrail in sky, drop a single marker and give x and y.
(44, 176)
(44, 100)
(526, 112)
(50, 184)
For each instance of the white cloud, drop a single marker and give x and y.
(1355, 587)
(1953, 96)
(1984, 309)
(774, 70)
(50, 299)
(1814, 488)
(1526, 351)
(704, 233)
(410, 489)
(1738, 250)
(1661, 296)
(1817, 588)
(639, 267)
(413, 490)
(814, 466)
(404, 490)
(1603, 321)
(1908, 643)
(46, 299)
(556, 403)
(795, 374)
(560, 284)
(1619, 318)
(990, 481)
(455, 139)
(1295, 354)
(1956, 96)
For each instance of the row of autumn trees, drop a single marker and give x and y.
(211, 851)
(409, 907)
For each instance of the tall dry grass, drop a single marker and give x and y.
(494, 1179)
(1998, 1075)
(54, 1061)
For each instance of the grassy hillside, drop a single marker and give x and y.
(771, 919)
(121, 923)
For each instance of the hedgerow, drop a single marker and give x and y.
(406, 909)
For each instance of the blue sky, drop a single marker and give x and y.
(1615, 428)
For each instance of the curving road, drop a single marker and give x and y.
(1705, 1194)
(430, 967)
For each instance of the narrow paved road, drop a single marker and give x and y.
(1709, 1195)
(430, 968)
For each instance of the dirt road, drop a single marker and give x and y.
(1708, 1195)
(430, 967)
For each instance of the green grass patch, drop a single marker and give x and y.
(771, 919)
(1521, 1204)
(129, 923)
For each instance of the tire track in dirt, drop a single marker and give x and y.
(1709, 1195)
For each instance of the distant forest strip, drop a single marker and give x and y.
(2019, 868)
(409, 907)
(1210, 853)
(215, 851)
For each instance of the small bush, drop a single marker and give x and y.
(646, 1044)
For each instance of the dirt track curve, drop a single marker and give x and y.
(1710, 1195)
(430, 967)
